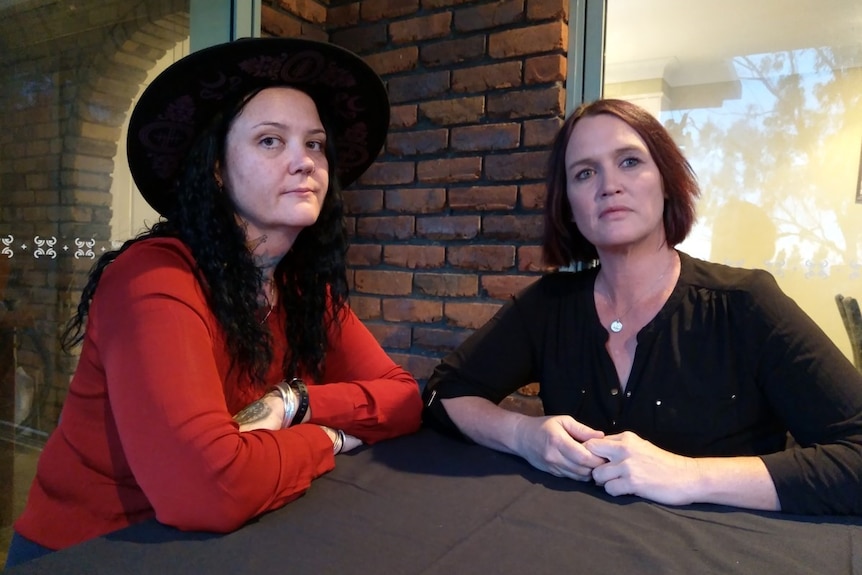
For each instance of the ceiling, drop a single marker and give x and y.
(684, 40)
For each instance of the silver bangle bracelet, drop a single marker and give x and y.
(289, 402)
(289, 415)
(338, 444)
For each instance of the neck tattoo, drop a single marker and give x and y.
(616, 326)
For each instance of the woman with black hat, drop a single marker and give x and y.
(221, 368)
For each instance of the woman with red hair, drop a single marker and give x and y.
(661, 375)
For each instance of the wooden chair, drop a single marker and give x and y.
(848, 307)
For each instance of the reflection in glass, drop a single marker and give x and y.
(766, 106)
(68, 74)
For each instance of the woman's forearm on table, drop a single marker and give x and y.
(484, 422)
(737, 481)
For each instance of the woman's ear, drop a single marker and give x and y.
(217, 175)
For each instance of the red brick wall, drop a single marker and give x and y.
(446, 225)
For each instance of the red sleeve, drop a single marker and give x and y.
(155, 338)
(366, 393)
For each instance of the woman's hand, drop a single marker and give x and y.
(264, 413)
(637, 467)
(554, 444)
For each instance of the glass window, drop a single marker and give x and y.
(69, 73)
(764, 99)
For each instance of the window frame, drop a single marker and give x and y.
(217, 21)
(587, 20)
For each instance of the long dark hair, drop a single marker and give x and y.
(563, 242)
(311, 278)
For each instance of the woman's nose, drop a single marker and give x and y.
(301, 162)
(609, 183)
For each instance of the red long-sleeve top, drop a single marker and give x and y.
(147, 430)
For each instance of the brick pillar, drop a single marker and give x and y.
(447, 224)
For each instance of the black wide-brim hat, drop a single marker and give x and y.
(184, 98)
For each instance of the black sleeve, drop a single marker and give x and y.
(818, 393)
(493, 362)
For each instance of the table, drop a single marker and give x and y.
(427, 504)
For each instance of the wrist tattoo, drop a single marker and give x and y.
(253, 412)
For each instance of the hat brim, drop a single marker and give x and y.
(184, 98)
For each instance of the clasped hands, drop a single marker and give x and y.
(623, 463)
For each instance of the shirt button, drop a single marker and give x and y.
(658, 402)
(628, 394)
(615, 391)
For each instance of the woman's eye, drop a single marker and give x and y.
(583, 175)
(630, 162)
(269, 142)
(315, 145)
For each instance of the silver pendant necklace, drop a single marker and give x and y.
(616, 326)
(270, 299)
(268, 313)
